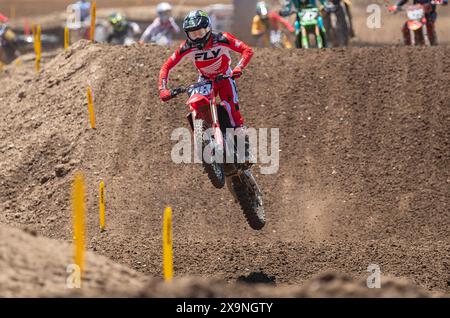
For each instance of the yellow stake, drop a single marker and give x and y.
(91, 107)
(37, 47)
(93, 18)
(167, 245)
(78, 209)
(102, 205)
(1, 65)
(66, 38)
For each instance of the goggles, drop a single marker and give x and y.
(198, 34)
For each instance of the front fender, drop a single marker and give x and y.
(196, 99)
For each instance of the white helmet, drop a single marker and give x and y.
(164, 10)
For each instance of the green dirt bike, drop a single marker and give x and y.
(309, 28)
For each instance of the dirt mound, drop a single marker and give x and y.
(36, 267)
(363, 173)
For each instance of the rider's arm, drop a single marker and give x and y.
(239, 47)
(401, 3)
(171, 62)
(283, 21)
(148, 33)
(174, 25)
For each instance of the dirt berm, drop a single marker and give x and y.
(364, 163)
(36, 267)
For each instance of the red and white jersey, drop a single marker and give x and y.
(213, 60)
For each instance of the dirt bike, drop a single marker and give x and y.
(8, 45)
(417, 23)
(336, 24)
(309, 28)
(208, 122)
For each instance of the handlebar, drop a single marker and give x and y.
(180, 90)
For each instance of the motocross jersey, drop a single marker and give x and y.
(431, 2)
(213, 60)
(298, 5)
(158, 27)
(131, 29)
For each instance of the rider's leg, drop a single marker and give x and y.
(406, 35)
(229, 98)
(350, 19)
(431, 30)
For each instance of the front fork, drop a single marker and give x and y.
(215, 124)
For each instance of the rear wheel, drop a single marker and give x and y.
(247, 193)
(419, 37)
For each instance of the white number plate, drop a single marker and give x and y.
(309, 15)
(415, 14)
(204, 90)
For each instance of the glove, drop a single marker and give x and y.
(393, 9)
(165, 95)
(237, 72)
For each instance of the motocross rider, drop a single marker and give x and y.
(121, 29)
(300, 5)
(210, 53)
(347, 11)
(164, 24)
(265, 20)
(431, 17)
(8, 44)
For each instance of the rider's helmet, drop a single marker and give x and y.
(197, 26)
(262, 10)
(164, 11)
(118, 22)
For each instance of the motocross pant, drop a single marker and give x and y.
(431, 30)
(227, 92)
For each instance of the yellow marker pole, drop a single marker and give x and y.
(93, 18)
(78, 214)
(102, 205)
(1, 65)
(91, 107)
(37, 47)
(66, 38)
(167, 245)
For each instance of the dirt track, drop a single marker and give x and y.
(36, 267)
(363, 177)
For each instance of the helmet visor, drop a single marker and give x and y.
(198, 34)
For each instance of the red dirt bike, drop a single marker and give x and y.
(417, 23)
(208, 122)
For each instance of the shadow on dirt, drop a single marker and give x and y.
(257, 278)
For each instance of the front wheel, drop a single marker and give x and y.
(214, 170)
(247, 193)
